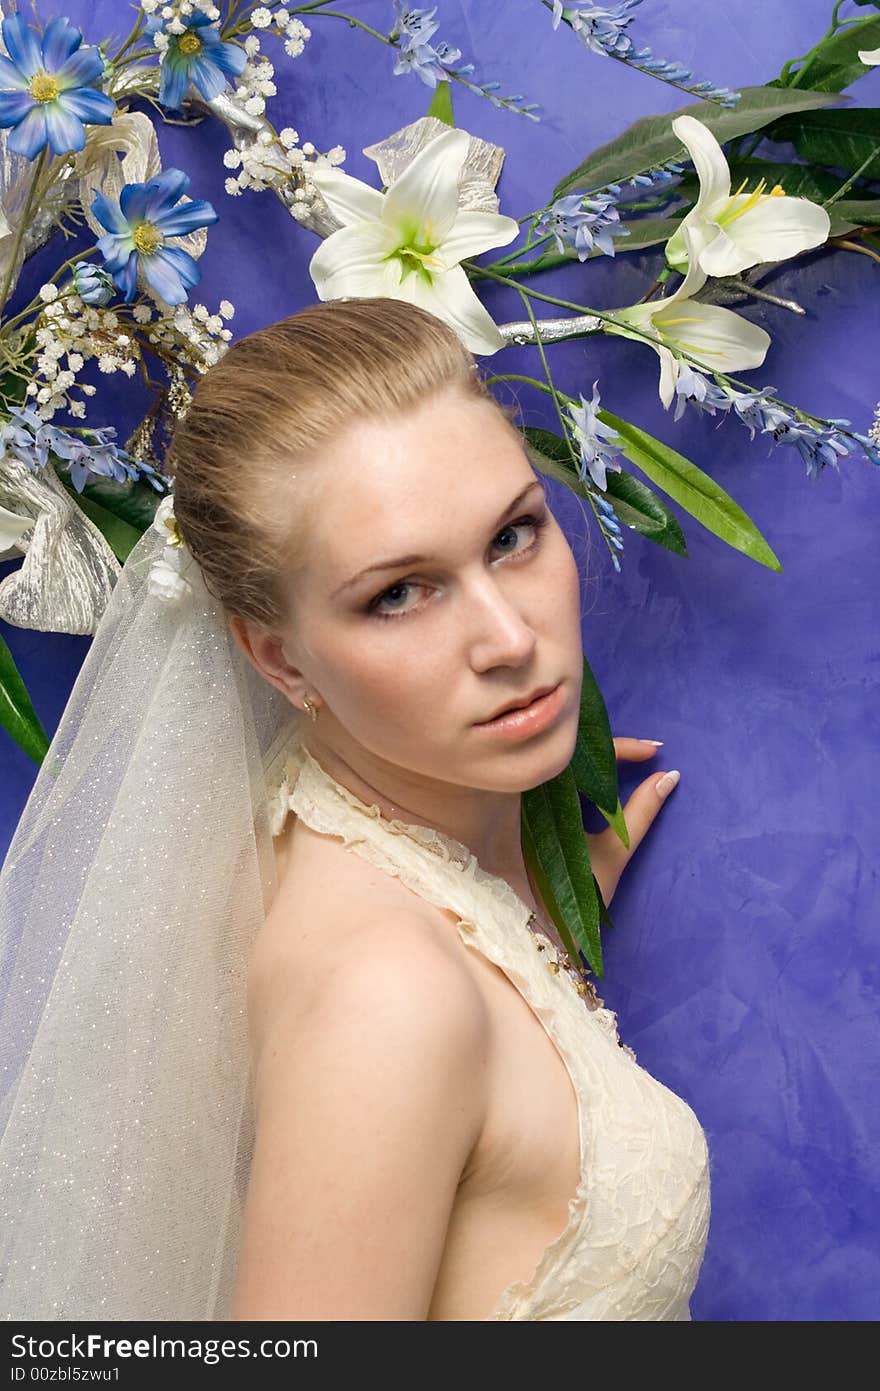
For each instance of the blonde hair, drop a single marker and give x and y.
(266, 406)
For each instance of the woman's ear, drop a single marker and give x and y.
(264, 650)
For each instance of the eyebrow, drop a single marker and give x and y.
(420, 559)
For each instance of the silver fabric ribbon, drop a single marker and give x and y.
(69, 569)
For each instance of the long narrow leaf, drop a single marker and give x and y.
(17, 714)
(650, 141)
(545, 889)
(594, 762)
(694, 490)
(556, 825)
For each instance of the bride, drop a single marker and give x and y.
(289, 1031)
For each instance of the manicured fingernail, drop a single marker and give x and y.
(665, 784)
(658, 743)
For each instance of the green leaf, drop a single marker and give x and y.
(634, 503)
(651, 141)
(797, 180)
(694, 490)
(119, 535)
(848, 213)
(133, 501)
(542, 882)
(617, 822)
(441, 103)
(555, 833)
(841, 138)
(638, 507)
(835, 63)
(594, 762)
(17, 714)
(861, 212)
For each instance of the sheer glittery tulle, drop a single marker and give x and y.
(637, 1224)
(138, 876)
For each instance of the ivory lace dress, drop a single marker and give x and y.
(638, 1221)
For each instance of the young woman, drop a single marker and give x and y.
(439, 1120)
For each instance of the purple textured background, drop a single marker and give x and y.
(742, 966)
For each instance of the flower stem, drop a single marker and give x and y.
(36, 302)
(553, 299)
(529, 267)
(844, 188)
(854, 246)
(25, 220)
(359, 24)
(132, 38)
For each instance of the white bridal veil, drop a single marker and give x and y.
(137, 878)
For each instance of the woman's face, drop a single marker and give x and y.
(436, 588)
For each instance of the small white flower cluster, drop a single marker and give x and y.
(69, 333)
(295, 32)
(72, 330)
(255, 82)
(874, 431)
(271, 161)
(194, 336)
(175, 16)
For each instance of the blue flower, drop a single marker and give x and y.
(99, 458)
(416, 54)
(694, 388)
(196, 55)
(602, 28)
(414, 27)
(427, 62)
(32, 439)
(24, 436)
(138, 226)
(818, 448)
(47, 90)
(93, 285)
(598, 443)
(599, 27)
(580, 223)
(753, 407)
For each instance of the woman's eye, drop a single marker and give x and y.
(533, 524)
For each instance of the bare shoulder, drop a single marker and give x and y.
(370, 1062)
(341, 927)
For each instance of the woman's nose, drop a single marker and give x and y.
(500, 634)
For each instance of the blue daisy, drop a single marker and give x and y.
(47, 88)
(198, 55)
(138, 226)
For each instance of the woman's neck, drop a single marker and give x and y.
(487, 822)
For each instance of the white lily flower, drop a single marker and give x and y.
(738, 230)
(12, 526)
(869, 56)
(717, 336)
(407, 243)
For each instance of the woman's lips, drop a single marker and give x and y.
(532, 719)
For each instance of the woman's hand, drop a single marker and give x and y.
(608, 855)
